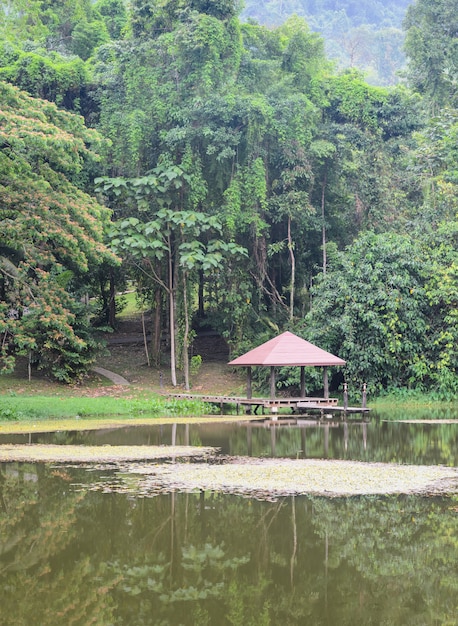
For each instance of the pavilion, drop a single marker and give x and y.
(287, 350)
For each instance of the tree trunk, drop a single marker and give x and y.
(157, 327)
(145, 340)
(185, 335)
(201, 295)
(173, 368)
(323, 227)
(293, 271)
(112, 301)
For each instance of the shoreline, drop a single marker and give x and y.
(99, 423)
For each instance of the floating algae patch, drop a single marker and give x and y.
(268, 479)
(97, 454)
(76, 424)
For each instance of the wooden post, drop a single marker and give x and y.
(272, 382)
(345, 396)
(248, 383)
(325, 383)
(364, 396)
(302, 381)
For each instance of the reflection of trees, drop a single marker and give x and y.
(401, 555)
(368, 441)
(37, 526)
(206, 558)
(178, 565)
(425, 444)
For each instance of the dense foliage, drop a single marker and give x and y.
(254, 188)
(52, 234)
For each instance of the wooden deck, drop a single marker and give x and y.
(299, 406)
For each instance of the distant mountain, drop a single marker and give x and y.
(374, 12)
(366, 34)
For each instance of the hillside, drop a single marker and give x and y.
(367, 35)
(358, 12)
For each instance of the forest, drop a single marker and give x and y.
(238, 179)
(367, 35)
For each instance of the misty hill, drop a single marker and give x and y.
(366, 34)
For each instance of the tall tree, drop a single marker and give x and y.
(388, 306)
(169, 245)
(52, 234)
(65, 81)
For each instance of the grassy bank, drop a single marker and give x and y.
(418, 406)
(97, 398)
(26, 408)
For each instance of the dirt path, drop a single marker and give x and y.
(115, 378)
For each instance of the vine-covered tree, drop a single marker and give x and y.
(431, 27)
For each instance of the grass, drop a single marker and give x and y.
(95, 401)
(97, 397)
(24, 408)
(418, 407)
(130, 305)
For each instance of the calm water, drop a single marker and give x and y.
(69, 555)
(376, 440)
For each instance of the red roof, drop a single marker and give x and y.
(287, 349)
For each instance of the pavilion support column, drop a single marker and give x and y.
(325, 383)
(248, 383)
(302, 381)
(272, 382)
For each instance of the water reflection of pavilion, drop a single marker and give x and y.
(275, 427)
(304, 425)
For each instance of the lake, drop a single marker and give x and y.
(70, 554)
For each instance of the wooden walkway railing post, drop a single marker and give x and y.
(364, 396)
